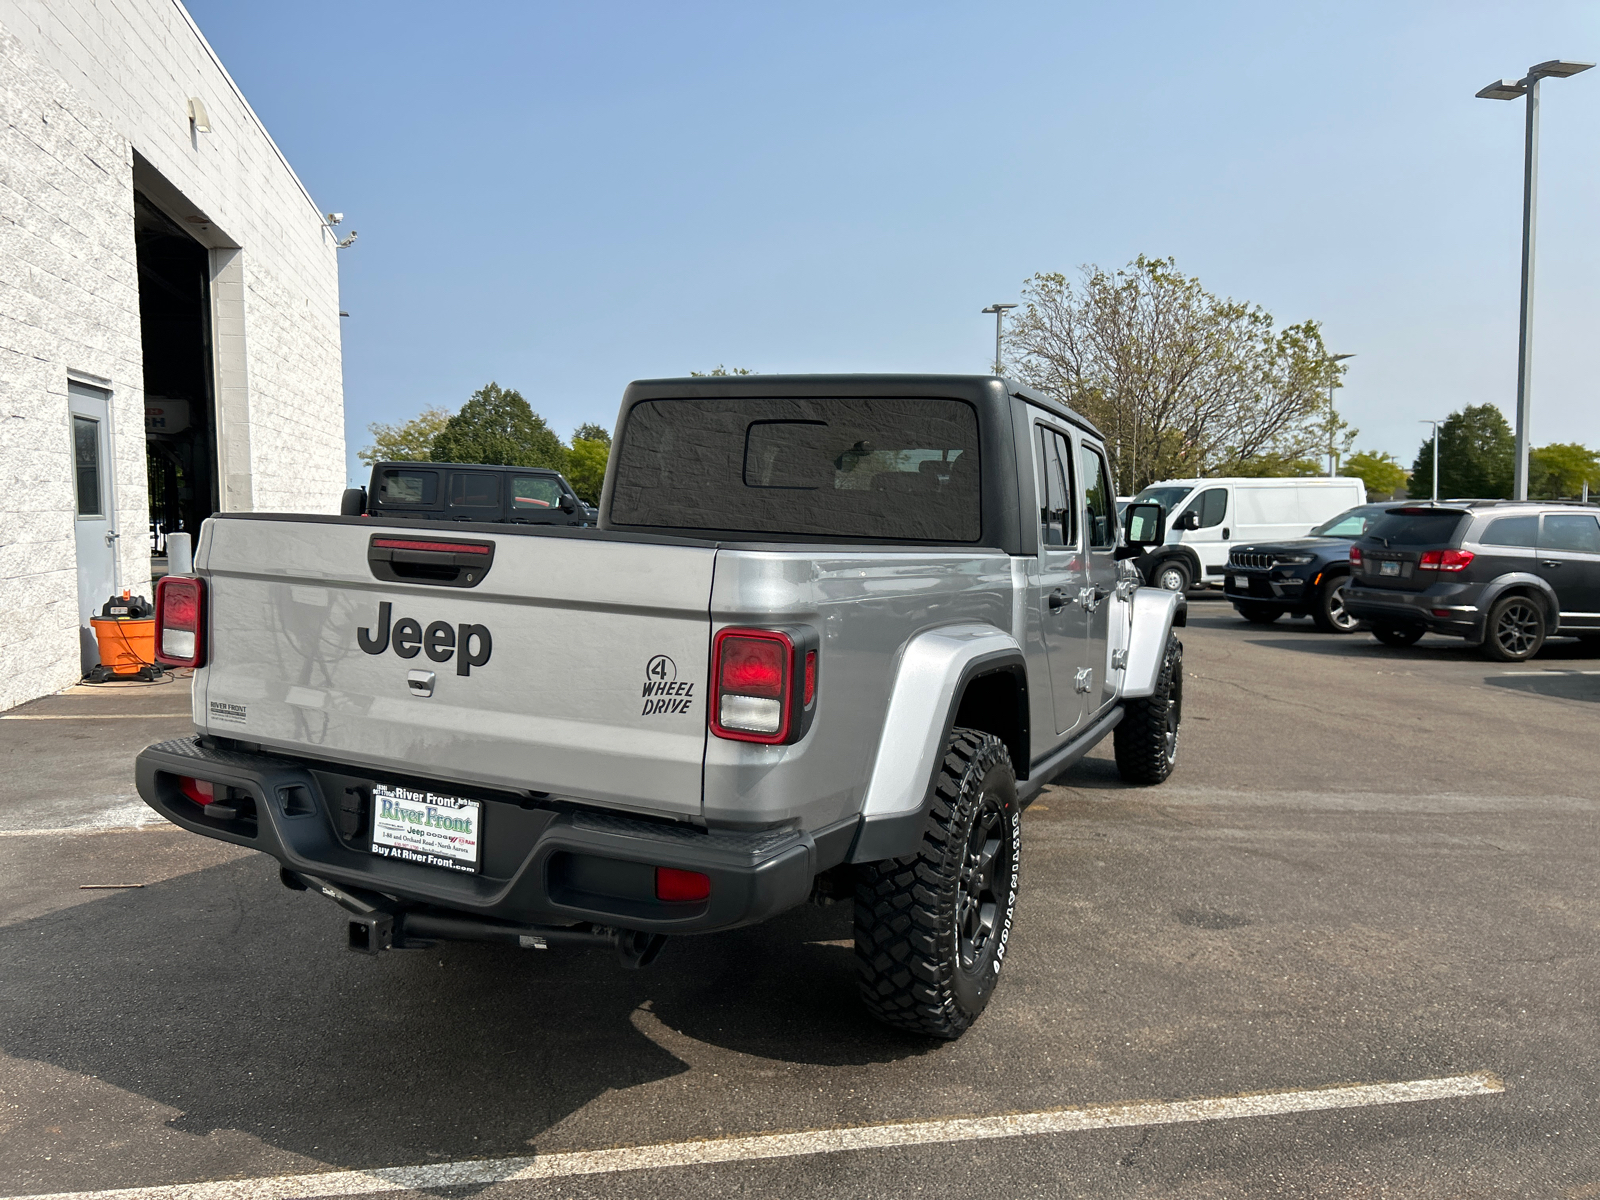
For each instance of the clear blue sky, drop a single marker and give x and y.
(562, 198)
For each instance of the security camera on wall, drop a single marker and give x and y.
(335, 218)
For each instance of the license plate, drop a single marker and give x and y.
(1242, 582)
(1388, 568)
(426, 828)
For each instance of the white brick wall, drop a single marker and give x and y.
(84, 84)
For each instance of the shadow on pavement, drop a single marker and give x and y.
(228, 998)
(1556, 685)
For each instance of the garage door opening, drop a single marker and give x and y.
(180, 409)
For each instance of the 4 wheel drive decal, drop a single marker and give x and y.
(664, 692)
(440, 640)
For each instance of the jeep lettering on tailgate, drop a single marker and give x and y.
(440, 640)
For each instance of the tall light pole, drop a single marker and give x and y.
(1511, 89)
(1333, 379)
(1435, 425)
(999, 311)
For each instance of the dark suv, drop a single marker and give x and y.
(1300, 576)
(1502, 575)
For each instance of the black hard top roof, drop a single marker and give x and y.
(400, 462)
(976, 388)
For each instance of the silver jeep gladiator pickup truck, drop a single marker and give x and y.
(831, 635)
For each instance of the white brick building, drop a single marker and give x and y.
(169, 317)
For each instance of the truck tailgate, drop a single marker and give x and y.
(562, 703)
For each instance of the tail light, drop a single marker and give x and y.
(201, 791)
(1446, 560)
(764, 684)
(181, 621)
(677, 886)
(1355, 556)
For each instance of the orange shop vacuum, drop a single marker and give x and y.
(126, 633)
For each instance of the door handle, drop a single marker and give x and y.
(1057, 600)
(1548, 562)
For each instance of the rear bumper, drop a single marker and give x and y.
(1440, 609)
(541, 865)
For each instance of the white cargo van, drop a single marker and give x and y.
(1205, 516)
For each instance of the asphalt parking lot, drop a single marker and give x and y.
(1372, 866)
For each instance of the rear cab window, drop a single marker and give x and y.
(892, 468)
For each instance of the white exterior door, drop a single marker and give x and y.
(94, 514)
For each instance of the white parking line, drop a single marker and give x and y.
(790, 1145)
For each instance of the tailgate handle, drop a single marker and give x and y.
(442, 562)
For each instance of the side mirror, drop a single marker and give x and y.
(567, 504)
(353, 503)
(1188, 519)
(1143, 525)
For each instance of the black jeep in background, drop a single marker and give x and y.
(1300, 576)
(1502, 575)
(468, 492)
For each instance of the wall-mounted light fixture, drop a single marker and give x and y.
(197, 116)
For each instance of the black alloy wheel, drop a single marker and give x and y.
(986, 879)
(1398, 635)
(1515, 629)
(1258, 614)
(1330, 614)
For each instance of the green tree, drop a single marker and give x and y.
(590, 432)
(1380, 471)
(498, 426)
(1273, 465)
(586, 467)
(719, 369)
(1181, 381)
(1476, 453)
(1559, 471)
(411, 441)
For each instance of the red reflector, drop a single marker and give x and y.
(1440, 612)
(677, 886)
(811, 676)
(432, 547)
(754, 666)
(201, 791)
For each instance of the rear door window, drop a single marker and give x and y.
(408, 487)
(1570, 531)
(475, 495)
(1099, 501)
(902, 469)
(1055, 512)
(1512, 531)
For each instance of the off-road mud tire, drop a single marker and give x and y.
(912, 915)
(1146, 740)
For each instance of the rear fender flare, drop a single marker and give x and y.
(933, 673)
(1526, 581)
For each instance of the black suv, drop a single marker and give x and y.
(427, 491)
(1503, 575)
(1300, 576)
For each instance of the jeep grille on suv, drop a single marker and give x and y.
(1250, 560)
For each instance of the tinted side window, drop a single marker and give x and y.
(534, 493)
(408, 487)
(1570, 531)
(1213, 507)
(1512, 531)
(1055, 519)
(474, 489)
(1099, 502)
